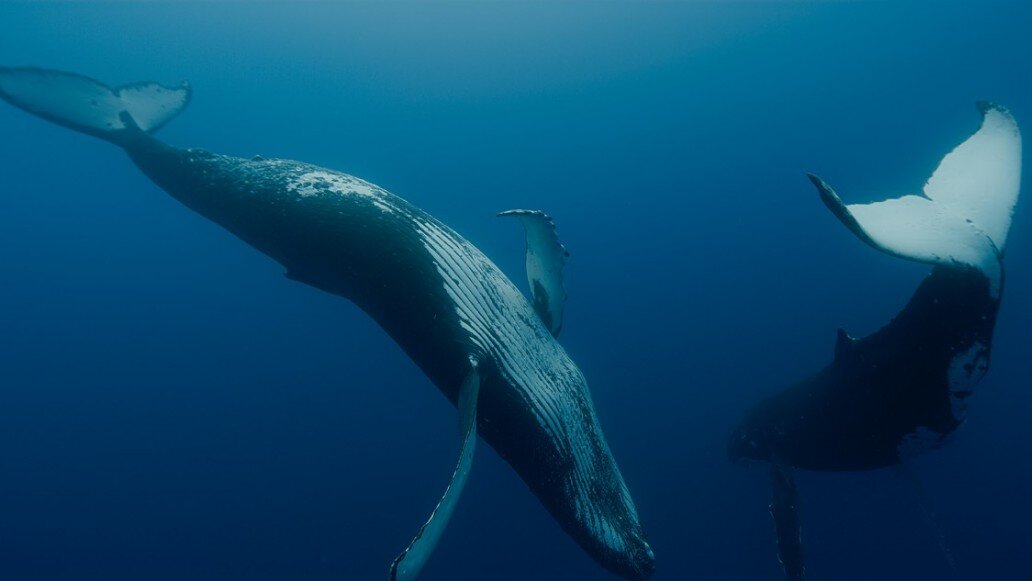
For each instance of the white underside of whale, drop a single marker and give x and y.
(964, 214)
(502, 323)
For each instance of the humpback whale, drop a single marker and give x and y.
(490, 351)
(904, 389)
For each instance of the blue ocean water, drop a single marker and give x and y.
(172, 407)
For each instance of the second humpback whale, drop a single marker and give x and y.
(487, 348)
(904, 389)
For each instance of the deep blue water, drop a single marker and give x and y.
(172, 407)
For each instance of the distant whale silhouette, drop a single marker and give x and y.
(491, 352)
(905, 388)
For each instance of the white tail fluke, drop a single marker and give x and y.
(980, 179)
(965, 213)
(89, 106)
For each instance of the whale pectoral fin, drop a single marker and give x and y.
(546, 257)
(784, 508)
(904, 472)
(410, 562)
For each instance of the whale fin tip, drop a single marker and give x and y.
(408, 565)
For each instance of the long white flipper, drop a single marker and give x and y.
(546, 257)
(87, 105)
(966, 210)
(410, 562)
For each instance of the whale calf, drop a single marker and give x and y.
(489, 350)
(904, 389)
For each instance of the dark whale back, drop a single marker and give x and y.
(905, 388)
(340, 243)
(892, 394)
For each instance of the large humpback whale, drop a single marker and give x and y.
(904, 389)
(489, 350)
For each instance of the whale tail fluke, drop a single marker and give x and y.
(964, 214)
(89, 106)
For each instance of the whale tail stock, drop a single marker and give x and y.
(89, 106)
(964, 214)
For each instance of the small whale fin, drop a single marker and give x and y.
(410, 562)
(546, 257)
(89, 106)
(843, 344)
(784, 509)
(965, 213)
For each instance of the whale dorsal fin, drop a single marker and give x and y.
(843, 344)
(965, 212)
(546, 257)
(410, 562)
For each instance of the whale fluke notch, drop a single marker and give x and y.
(916, 228)
(89, 106)
(546, 257)
(408, 565)
(965, 212)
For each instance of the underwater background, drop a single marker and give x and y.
(172, 407)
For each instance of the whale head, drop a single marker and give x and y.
(637, 561)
